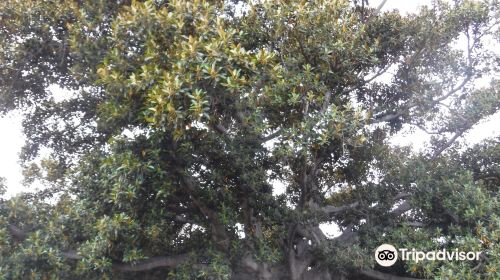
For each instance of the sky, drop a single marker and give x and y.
(10, 146)
(12, 140)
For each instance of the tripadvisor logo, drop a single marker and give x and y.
(387, 255)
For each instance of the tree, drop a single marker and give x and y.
(182, 119)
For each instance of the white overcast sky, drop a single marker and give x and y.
(12, 140)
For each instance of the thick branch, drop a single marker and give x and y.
(155, 262)
(348, 235)
(380, 6)
(335, 210)
(402, 195)
(219, 233)
(151, 263)
(402, 208)
(383, 276)
(388, 117)
(72, 255)
(148, 264)
(220, 128)
(272, 135)
(183, 219)
(204, 209)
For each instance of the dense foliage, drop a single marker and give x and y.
(210, 140)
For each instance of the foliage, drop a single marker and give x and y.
(210, 139)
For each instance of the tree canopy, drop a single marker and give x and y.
(212, 139)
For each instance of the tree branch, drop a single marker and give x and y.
(388, 117)
(148, 264)
(143, 265)
(447, 144)
(272, 135)
(414, 224)
(392, 116)
(335, 210)
(326, 102)
(151, 263)
(219, 233)
(188, 182)
(348, 235)
(380, 6)
(72, 255)
(402, 208)
(220, 129)
(454, 90)
(402, 195)
(374, 274)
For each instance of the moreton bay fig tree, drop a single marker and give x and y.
(216, 139)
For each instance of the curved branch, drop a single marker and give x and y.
(151, 263)
(148, 264)
(402, 208)
(348, 235)
(219, 233)
(335, 210)
(374, 274)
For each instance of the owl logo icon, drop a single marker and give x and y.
(386, 255)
